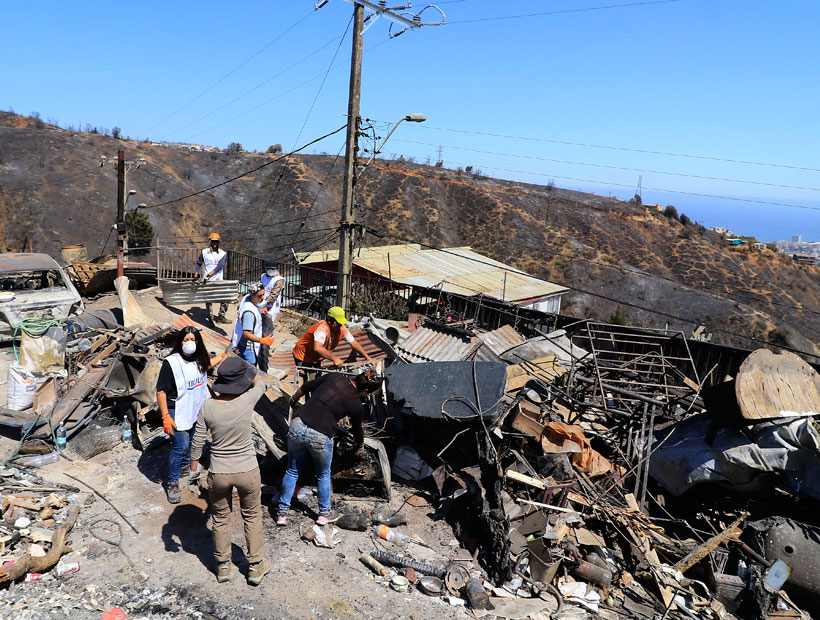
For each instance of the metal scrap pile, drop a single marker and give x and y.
(612, 466)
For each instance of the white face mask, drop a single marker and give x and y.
(261, 304)
(189, 348)
(271, 272)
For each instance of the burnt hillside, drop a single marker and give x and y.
(53, 192)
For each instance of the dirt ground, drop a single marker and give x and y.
(165, 570)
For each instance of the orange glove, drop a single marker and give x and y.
(267, 341)
(262, 310)
(168, 424)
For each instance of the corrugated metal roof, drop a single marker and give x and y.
(455, 270)
(434, 344)
(501, 339)
(178, 292)
(214, 342)
(283, 360)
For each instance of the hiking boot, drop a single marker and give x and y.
(222, 319)
(257, 571)
(223, 571)
(282, 518)
(172, 491)
(328, 517)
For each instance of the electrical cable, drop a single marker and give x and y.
(622, 148)
(244, 174)
(249, 91)
(302, 129)
(227, 75)
(593, 294)
(581, 10)
(611, 167)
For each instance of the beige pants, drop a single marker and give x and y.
(248, 486)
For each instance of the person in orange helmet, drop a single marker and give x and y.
(211, 265)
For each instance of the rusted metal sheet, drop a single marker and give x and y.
(771, 385)
(176, 292)
(434, 344)
(283, 360)
(501, 339)
(214, 342)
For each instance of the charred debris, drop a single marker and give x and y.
(592, 470)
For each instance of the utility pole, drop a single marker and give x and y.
(120, 210)
(348, 226)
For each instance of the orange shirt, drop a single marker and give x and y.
(303, 351)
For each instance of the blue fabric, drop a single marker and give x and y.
(304, 441)
(180, 455)
(246, 352)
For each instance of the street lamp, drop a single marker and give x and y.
(411, 118)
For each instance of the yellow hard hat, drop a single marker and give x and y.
(214, 237)
(337, 314)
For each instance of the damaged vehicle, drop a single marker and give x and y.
(34, 286)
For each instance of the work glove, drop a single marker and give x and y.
(294, 404)
(194, 477)
(263, 310)
(168, 424)
(267, 341)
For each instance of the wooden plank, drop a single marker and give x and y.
(771, 385)
(525, 424)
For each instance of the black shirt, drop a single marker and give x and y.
(333, 397)
(168, 384)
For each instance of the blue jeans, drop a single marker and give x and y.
(180, 456)
(245, 350)
(304, 441)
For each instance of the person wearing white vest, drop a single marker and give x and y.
(247, 331)
(182, 387)
(211, 266)
(274, 285)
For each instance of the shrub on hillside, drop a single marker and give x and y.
(671, 212)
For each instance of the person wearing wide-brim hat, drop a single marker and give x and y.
(233, 464)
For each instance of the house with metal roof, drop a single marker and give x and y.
(451, 270)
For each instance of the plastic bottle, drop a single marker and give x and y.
(354, 521)
(42, 459)
(389, 517)
(126, 431)
(84, 345)
(60, 437)
(383, 531)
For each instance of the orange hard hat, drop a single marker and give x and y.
(214, 237)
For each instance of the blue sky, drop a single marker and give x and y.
(694, 79)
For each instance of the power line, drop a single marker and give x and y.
(244, 174)
(282, 94)
(623, 148)
(64, 181)
(591, 293)
(646, 187)
(318, 193)
(582, 10)
(611, 167)
(248, 92)
(227, 75)
(302, 129)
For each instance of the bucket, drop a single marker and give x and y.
(74, 254)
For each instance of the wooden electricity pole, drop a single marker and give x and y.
(348, 225)
(120, 210)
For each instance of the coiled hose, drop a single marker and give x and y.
(394, 559)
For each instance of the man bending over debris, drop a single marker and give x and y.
(333, 396)
(233, 465)
(319, 341)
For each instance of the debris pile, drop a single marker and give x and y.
(608, 471)
(36, 520)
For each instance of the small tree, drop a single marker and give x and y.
(38, 121)
(671, 212)
(274, 149)
(684, 219)
(619, 317)
(139, 230)
(116, 132)
(235, 147)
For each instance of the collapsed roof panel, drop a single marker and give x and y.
(444, 390)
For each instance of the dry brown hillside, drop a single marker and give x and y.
(611, 253)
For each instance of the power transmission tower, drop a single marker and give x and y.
(349, 228)
(638, 189)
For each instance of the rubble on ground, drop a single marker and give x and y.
(598, 471)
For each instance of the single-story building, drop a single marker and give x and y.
(452, 270)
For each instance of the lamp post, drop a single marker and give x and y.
(347, 236)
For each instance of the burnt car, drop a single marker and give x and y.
(34, 286)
